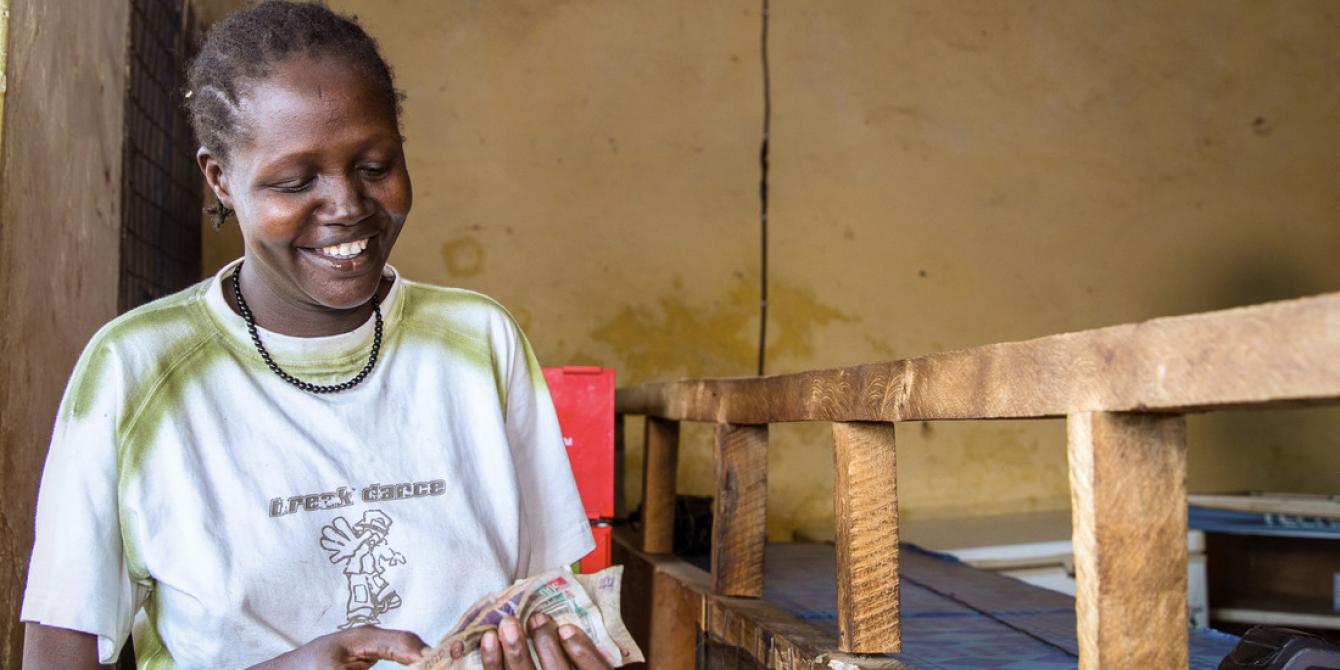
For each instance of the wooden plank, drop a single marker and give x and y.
(658, 485)
(66, 78)
(739, 510)
(1271, 354)
(660, 608)
(636, 590)
(778, 641)
(1128, 500)
(1286, 618)
(1288, 504)
(866, 525)
(676, 613)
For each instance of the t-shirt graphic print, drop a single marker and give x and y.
(194, 497)
(363, 551)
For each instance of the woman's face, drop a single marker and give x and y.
(318, 182)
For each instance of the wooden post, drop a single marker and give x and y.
(740, 509)
(1128, 499)
(658, 485)
(866, 524)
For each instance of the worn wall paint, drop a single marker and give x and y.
(964, 173)
(60, 232)
(944, 175)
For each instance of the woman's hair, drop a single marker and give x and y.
(243, 48)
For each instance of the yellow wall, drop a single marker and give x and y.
(945, 174)
(60, 239)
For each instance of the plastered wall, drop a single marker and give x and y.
(60, 232)
(944, 174)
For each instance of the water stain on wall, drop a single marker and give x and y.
(679, 337)
(794, 314)
(464, 256)
(880, 347)
(676, 338)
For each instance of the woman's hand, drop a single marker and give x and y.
(352, 649)
(558, 647)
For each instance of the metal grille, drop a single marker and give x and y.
(161, 185)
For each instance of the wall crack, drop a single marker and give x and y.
(763, 157)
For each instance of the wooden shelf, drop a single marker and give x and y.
(1278, 612)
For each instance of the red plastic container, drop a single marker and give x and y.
(584, 400)
(599, 558)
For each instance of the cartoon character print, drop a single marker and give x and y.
(363, 550)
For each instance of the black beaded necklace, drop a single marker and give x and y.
(306, 386)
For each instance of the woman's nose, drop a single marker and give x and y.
(345, 200)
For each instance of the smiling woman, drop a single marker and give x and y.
(306, 370)
(319, 171)
(324, 174)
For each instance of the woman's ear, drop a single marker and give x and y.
(214, 176)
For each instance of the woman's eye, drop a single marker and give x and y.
(292, 185)
(374, 170)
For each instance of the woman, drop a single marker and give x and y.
(285, 464)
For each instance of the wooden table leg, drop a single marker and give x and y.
(658, 485)
(1128, 499)
(866, 524)
(739, 510)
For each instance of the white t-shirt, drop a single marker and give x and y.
(232, 517)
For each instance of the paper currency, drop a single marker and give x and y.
(590, 602)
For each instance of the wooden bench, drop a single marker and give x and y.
(1123, 392)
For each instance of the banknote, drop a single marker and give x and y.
(590, 602)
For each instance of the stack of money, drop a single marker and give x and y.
(590, 602)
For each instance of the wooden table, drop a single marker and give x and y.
(953, 616)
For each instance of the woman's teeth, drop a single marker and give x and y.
(345, 250)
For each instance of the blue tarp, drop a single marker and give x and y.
(956, 617)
